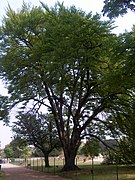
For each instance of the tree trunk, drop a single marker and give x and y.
(46, 158)
(70, 152)
(70, 162)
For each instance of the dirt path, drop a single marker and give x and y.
(14, 172)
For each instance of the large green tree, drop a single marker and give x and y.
(68, 61)
(39, 130)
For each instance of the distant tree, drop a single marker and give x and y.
(8, 150)
(20, 147)
(118, 7)
(91, 148)
(17, 148)
(39, 130)
(2, 154)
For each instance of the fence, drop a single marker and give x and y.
(56, 164)
(39, 163)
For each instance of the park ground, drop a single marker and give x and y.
(14, 172)
(100, 172)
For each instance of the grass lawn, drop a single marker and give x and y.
(102, 172)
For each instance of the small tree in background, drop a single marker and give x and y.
(8, 150)
(91, 148)
(39, 130)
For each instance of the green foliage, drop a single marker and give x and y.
(18, 148)
(8, 151)
(123, 129)
(38, 129)
(70, 62)
(127, 150)
(118, 7)
(120, 151)
(4, 109)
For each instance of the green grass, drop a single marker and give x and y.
(1, 175)
(102, 172)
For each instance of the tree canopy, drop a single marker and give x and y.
(69, 62)
(4, 108)
(118, 7)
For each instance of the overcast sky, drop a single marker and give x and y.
(123, 23)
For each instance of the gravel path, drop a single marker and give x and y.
(14, 172)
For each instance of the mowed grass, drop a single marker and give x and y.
(103, 172)
(100, 172)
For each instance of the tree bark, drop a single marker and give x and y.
(70, 152)
(70, 160)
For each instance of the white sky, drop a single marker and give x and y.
(123, 23)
